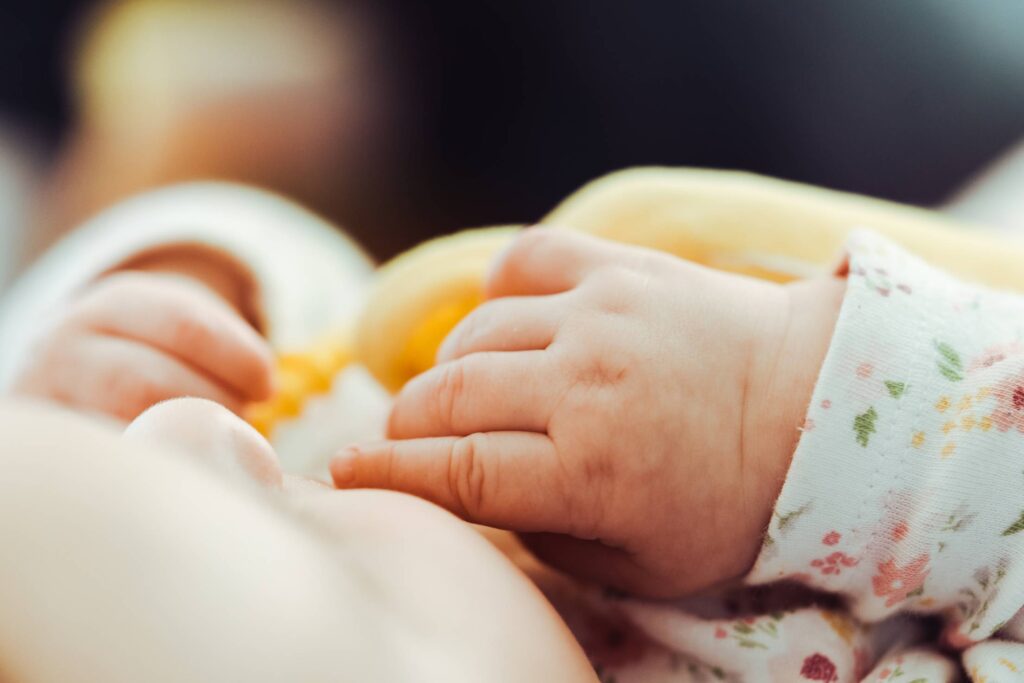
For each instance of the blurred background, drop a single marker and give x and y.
(400, 119)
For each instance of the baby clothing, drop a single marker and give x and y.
(899, 532)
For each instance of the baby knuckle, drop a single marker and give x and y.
(189, 333)
(448, 393)
(83, 310)
(600, 368)
(529, 242)
(613, 288)
(467, 475)
(629, 282)
(468, 331)
(108, 294)
(603, 374)
(526, 248)
(646, 262)
(615, 275)
(118, 285)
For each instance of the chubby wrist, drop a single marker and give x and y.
(812, 311)
(784, 368)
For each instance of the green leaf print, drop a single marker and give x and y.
(788, 518)
(950, 354)
(1016, 527)
(896, 673)
(896, 389)
(949, 364)
(951, 375)
(864, 425)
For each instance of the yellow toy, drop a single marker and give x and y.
(737, 222)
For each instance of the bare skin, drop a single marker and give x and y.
(628, 412)
(633, 414)
(157, 558)
(173, 322)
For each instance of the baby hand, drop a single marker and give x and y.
(134, 339)
(632, 413)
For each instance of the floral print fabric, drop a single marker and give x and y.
(906, 492)
(903, 510)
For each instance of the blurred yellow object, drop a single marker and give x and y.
(418, 297)
(743, 222)
(139, 63)
(738, 222)
(299, 377)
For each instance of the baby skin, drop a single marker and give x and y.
(628, 412)
(631, 414)
(180, 552)
(169, 324)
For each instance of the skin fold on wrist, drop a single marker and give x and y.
(782, 381)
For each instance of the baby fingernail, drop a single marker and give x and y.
(343, 468)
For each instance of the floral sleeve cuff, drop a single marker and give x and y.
(906, 491)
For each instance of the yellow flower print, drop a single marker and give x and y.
(843, 626)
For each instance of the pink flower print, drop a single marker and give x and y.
(864, 370)
(720, 633)
(1009, 395)
(899, 531)
(994, 354)
(896, 583)
(818, 667)
(905, 288)
(884, 673)
(826, 404)
(834, 563)
(831, 538)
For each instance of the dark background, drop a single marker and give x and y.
(514, 104)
